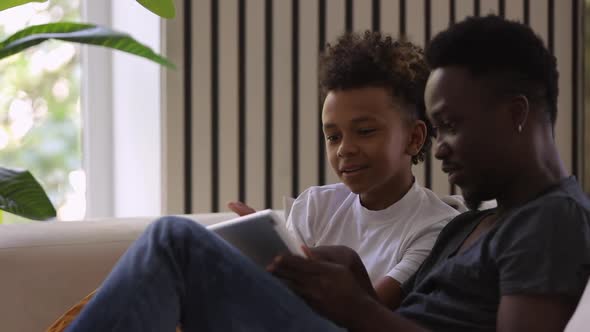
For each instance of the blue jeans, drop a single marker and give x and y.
(178, 272)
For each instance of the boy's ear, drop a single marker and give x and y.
(417, 137)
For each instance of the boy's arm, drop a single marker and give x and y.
(389, 292)
(240, 208)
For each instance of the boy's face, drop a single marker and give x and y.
(367, 138)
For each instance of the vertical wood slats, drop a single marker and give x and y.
(255, 120)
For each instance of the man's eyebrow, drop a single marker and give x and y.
(363, 119)
(329, 125)
(438, 114)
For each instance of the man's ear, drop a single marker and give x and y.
(519, 112)
(417, 137)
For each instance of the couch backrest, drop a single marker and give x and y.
(45, 268)
(580, 321)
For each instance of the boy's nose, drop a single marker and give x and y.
(346, 148)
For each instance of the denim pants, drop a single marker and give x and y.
(178, 272)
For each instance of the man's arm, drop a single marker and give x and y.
(542, 313)
(374, 317)
(336, 293)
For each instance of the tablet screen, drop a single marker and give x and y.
(255, 236)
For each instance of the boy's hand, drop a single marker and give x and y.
(240, 208)
(329, 288)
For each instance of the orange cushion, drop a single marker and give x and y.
(66, 319)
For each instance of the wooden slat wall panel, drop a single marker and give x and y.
(308, 94)
(440, 21)
(173, 184)
(515, 10)
(538, 18)
(282, 78)
(228, 154)
(335, 26)
(255, 103)
(563, 52)
(489, 7)
(362, 15)
(415, 31)
(228, 101)
(201, 97)
(390, 17)
(463, 9)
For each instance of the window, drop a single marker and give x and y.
(40, 121)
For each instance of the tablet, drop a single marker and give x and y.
(261, 236)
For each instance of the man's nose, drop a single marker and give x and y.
(441, 150)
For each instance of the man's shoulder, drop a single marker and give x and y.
(566, 201)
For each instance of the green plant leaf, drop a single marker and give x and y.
(162, 8)
(5, 4)
(22, 195)
(79, 33)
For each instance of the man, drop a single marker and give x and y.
(492, 96)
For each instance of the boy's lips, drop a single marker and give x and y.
(352, 170)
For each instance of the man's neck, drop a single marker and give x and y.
(538, 175)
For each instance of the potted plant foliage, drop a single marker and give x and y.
(20, 193)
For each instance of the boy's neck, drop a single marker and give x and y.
(388, 194)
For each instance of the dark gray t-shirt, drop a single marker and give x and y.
(542, 247)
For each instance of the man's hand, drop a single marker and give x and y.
(349, 259)
(329, 288)
(240, 208)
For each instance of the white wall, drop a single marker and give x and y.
(122, 117)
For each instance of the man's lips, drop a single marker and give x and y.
(453, 172)
(449, 168)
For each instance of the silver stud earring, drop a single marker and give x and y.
(519, 128)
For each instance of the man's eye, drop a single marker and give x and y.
(366, 131)
(446, 127)
(434, 131)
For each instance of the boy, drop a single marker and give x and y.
(375, 129)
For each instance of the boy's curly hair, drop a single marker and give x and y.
(372, 59)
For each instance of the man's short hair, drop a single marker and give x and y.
(507, 54)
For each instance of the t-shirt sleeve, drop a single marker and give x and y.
(298, 222)
(544, 250)
(416, 252)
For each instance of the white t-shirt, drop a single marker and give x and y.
(391, 242)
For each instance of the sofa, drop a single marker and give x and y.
(45, 268)
(48, 267)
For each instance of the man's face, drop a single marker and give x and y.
(473, 133)
(366, 137)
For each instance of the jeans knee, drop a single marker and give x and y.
(174, 229)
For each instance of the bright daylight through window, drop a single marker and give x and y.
(40, 118)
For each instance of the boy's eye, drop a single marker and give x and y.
(331, 138)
